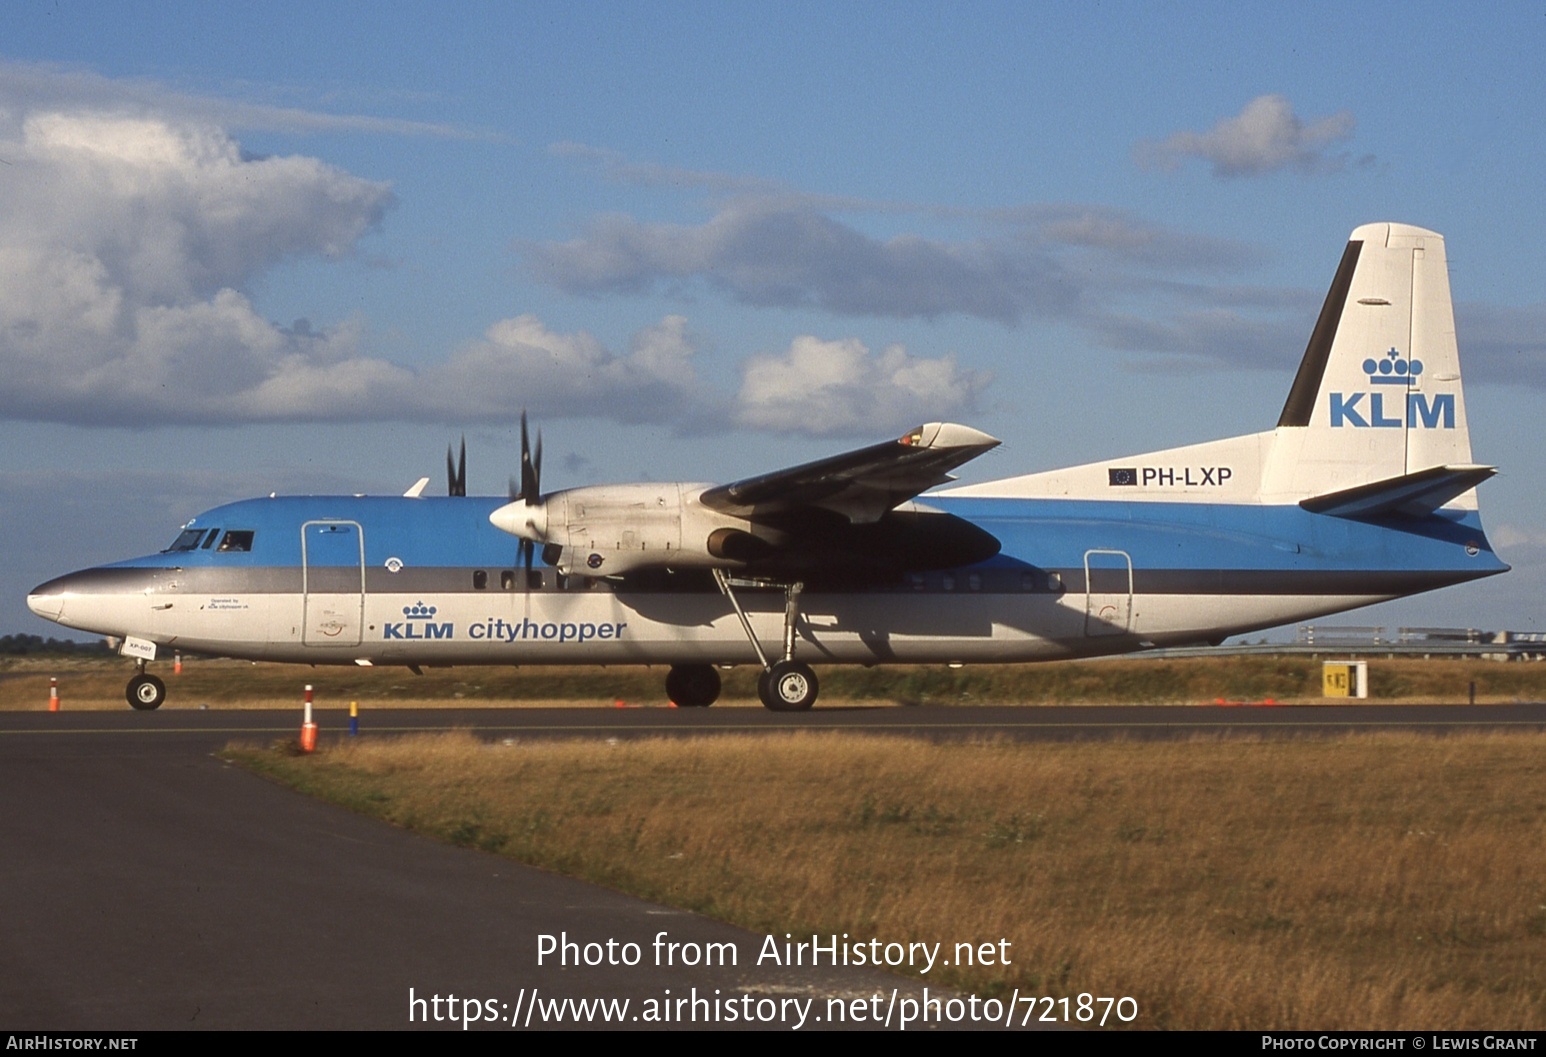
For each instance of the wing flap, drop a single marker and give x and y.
(1414, 494)
(861, 485)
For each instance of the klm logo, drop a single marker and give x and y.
(419, 625)
(1391, 369)
(1373, 410)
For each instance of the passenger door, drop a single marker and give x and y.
(1108, 580)
(333, 581)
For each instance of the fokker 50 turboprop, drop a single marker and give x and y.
(1364, 491)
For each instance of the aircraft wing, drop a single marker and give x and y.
(861, 485)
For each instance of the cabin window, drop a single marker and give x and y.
(507, 579)
(949, 582)
(1054, 582)
(236, 540)
(1028, 581)
(916, 580)
(480, 579)
(974, 582)
(560, 581)
(533, 579)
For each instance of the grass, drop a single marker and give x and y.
(1390, 881)
(99, 683)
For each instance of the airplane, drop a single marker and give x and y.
(1364, 491)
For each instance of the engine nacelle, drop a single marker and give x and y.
(609, 530)
(612, 530)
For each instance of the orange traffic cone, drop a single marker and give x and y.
(308, 728)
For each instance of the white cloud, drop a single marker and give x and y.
(131, 239)
(124, 247)
(840, 387)
(770, 252)
(128, 243)
(520, 362)
(1513, 536)
(1121, 280)
(53, 87)
(1265, 137)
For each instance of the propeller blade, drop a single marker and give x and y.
(456, 473)
(536, 469)
(528, 471)
(527, 490)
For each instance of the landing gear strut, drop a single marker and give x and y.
(786, 685)
(145, 692)
(692, 685)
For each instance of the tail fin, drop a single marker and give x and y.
(1378, 394)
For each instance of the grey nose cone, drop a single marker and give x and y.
(47, 601)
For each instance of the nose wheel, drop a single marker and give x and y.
(145, 692)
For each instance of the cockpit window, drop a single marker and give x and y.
(237, 540)
(189, 538)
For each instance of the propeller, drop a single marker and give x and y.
(456, 473)
(529, 493)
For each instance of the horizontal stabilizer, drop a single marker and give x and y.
(1415, 494)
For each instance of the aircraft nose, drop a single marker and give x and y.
(47, 600)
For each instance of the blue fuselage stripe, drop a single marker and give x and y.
(1034, 533)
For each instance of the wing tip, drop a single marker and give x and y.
(947, 435)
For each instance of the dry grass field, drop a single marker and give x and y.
(99, 683)
(1365, 881)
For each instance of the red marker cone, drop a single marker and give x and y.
(308, 728)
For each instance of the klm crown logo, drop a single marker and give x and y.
(1392, 369)
(427, 628)
(1412, 410)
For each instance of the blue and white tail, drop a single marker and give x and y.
(1375, 422)
(1378, 396)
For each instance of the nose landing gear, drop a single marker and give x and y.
(145, 692)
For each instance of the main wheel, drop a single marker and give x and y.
(145, 692)
(788, 686)
(692, 685)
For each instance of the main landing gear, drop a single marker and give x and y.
(145, 692)
(692, 685)
(785, 685)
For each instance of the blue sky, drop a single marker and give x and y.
(302, 247)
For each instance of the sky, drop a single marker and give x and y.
(304, 247)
